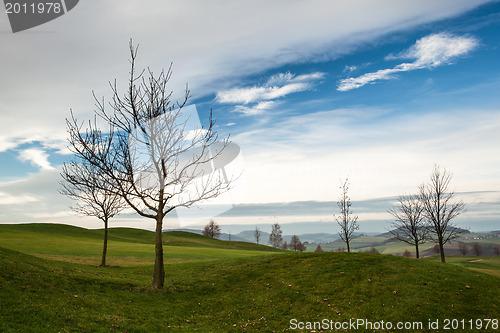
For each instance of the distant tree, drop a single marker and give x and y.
(341, 249)
(285, 245)
(439, 208)
(301, 247)
(257, 235)
(212, 229)
(496, 250)
(83, 182)
(346, 220)
(436, 249)
(294, 243)
(407, 254)
(319, 249)
(463, 248)
(409, 225)
(477, 249)
(275, 238)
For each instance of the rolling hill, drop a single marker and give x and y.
(220, 286)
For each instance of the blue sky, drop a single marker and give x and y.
(377, 91)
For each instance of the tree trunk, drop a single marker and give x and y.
(417, 254)
(159, 269)
(441, 250)
(348, 247)
(105, 245)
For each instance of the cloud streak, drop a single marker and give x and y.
(261, 97)
(428, 52)
(36, 157)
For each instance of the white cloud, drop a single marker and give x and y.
(256, 109)
(278, 85)
(36, 157)
(428, 52)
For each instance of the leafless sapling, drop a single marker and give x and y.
(440, 209)
(256, 234)
(409, 225)
(87, 185)
(346, 220)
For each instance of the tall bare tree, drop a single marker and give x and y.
(440, 209)
(212, 229)
(409, 225)
(94, 195)
(275, 237)
(257, 234)
(157, 162)
(346, 220)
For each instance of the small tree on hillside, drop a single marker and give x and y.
(463, 248)
(346, 220)
(275, 238)
(477, 249)
(319, 249)
(301, 247)
(212, 229)
(285, 245)
(439, 208)
(257, 235)
(83, 182)
(294, 243)
(409, 225)
(407, 254)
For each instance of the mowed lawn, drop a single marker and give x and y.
(216, 286)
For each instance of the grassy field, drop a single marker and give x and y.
(215, 286)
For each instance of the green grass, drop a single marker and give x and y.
(489, 265)
(214, 286)
(126, 246)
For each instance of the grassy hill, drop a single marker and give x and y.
(215, 286)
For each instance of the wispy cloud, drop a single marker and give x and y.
(261, 97)
(428, 52)
(36, 157)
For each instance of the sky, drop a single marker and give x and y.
(313, 92)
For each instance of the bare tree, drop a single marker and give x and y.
(285, 245)
(301, 247)
(257, 235)
(346, 220)
(407, 254)
(439, 208)
(319, 248)
(294, 242)
(83, 182)
(409, 225)
(477, 249)
(463, 248)
(275, 238)
(212, 229)
(157, 162)
(436, 249)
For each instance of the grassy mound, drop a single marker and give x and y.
(255, 293)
